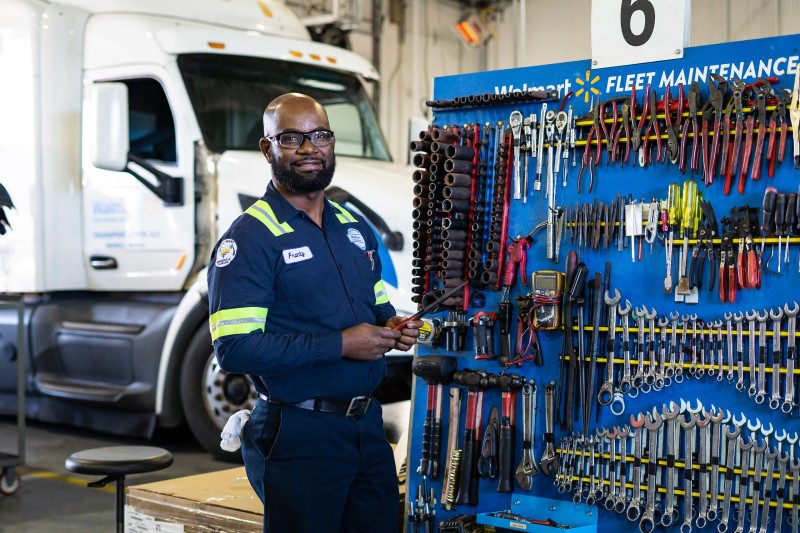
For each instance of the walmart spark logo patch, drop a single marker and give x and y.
(586, 86)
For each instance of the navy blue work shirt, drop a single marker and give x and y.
(281, 290)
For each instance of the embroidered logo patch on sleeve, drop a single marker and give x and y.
(226, 251)
(356, 238)
(295, 255)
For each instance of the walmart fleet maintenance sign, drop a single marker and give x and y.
(746, 60)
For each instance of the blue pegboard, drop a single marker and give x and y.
(639, 282)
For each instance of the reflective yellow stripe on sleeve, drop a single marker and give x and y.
(344, 216)
(263, 212)
(239, 321)
(380, 293)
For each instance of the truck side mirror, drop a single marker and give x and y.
(108, 119)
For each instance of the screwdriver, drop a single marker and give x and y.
(687, 208)
(780, 218)
(673, 218)
(791, 219)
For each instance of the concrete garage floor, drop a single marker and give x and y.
(52, 499)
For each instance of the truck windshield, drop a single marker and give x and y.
(229, 94)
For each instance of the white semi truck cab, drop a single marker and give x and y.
(128, 144)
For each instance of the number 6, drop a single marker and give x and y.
(629, 7)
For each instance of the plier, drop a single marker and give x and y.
(624, 129)
(735, 108)
(761, 108)
(794, 114)
(587, 160)
(652, 125)
(691, 121)
(717, 87)
(673, 129)
(727, 267)
(778, 120)
(746, 262)
(487, 462)
(636, 140)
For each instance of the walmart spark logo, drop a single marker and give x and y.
(586, 86)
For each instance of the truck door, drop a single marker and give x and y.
(139, 232)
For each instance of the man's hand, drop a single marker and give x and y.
(409, 333)
(367, 343)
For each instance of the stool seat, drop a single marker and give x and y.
(118, 460)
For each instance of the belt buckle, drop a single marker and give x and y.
(358, 406)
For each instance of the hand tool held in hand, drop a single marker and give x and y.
(431, 306)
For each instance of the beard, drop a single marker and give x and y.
(292, 181)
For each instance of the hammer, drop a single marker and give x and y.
(437, 371)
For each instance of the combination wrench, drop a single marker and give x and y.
(731, 437)
(605, 394)
(634, 507)
(761, 393)
(626, 381)
(751, 341)
(777, 358)
(729, 336)
(688, 485)
(769, 457)
(791, 357)
(673, 437)
(653, 423)
(662, 379)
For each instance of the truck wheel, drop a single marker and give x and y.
(10, 481)
(209, 395)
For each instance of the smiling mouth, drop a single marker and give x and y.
(309, 163)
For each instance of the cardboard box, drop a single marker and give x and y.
(222, 502)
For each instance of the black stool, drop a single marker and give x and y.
(115, 462)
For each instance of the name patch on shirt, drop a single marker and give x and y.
(356, 238)
(295, 255)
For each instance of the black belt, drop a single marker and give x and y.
(354, 407)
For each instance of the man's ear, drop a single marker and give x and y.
(264, 144)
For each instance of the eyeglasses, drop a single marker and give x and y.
(295, 139)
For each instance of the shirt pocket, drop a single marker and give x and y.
(364, 270)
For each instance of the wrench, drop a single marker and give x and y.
(777, 358)
(729, 336)
(769, 457)
(758, 450)
(611, 497)
(783, 461)
(605, 394)
(634, 507)
(622, 497)
(626, 382)
(673, 444)
(682, 349)
(662, 379)
(549, 461)
(592, 470)
(638, 377)
(751, 332)
(761, 394)
(716, 430)
(791, 358)
(653, 423)
(650, 375)
(527, 467)
(739, 318)
(581, 468)
(693, 367)
(795, 494)
(702, 463)
(744, 478)
(720, 351)
(731, 439)
(673, 347)
(688, 434)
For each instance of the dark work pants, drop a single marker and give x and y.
(321, 472)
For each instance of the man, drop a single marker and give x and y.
(297, 302)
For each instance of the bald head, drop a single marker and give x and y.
(290, 105)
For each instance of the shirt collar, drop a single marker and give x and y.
(285, 211)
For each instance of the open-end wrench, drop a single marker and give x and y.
(704, 425)
(739, 318)
(761, 394)
(777, 358)
(650, 375)
(688, 485)
(716, 431)
(634, 507)
(682, 348)
(769, 458)
(626, 381)
(731, 436)
(527, 467)
(783, 461)
(605, 394)
(758, 458)
(672, 369)
(653, 423)
(751, 341)
(611, 497)
(662, 379)
(729, 337)
(791, 357)
(638, 377)
(744, 480)
(673, 445)
(622, 497)
(720, 351)
(549, 461)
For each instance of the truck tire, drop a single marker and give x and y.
(209, 395)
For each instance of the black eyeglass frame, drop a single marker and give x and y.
(306, 135)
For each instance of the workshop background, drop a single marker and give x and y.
(411, 43)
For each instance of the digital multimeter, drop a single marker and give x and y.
(547, 287)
